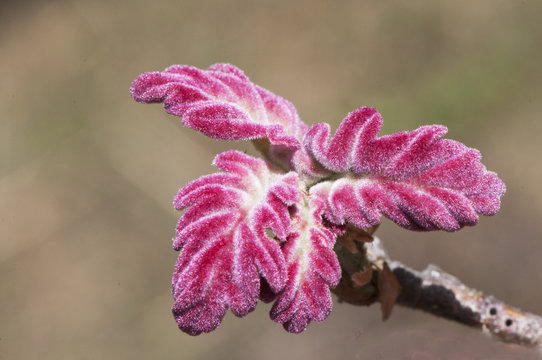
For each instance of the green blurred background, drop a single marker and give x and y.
(87, 175)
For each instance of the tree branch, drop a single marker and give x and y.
(367, 278)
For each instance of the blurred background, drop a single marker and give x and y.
(87, 176)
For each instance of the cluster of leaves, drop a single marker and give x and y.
(264, 229)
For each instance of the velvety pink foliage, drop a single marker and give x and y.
(224, 247)
(256, 230)
(312, 268)
(416, 179)
(222, 103)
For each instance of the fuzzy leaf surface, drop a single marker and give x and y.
(224, 248)
(312, 267)
(416, 179)
(222, 103)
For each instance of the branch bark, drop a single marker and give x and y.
(369, 275)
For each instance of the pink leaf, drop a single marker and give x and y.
(222, 103)
(253, 232)
(223, 241)
(416, 179)
(312, 268)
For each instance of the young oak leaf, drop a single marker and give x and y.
(222, 103)
(416, 179)
(223, 242)
(312, 268)
(250, 232)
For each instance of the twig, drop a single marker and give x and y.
(432, 290)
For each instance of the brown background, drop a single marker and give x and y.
(87, 175)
